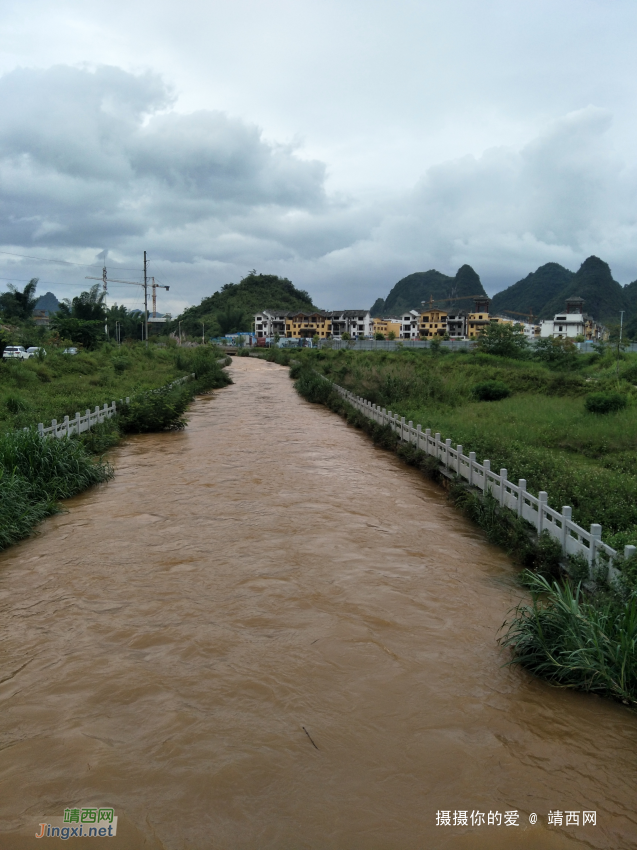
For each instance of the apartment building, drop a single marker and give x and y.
(433, 323)
(357, 323)
(322, 323)
(385, 327)
(573, 322)
(479, 319)
(409, 325)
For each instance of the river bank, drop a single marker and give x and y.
(35, 473)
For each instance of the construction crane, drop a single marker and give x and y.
(156, 286)
(516, 313)
(433, 300)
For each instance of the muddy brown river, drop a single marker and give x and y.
(266, 634)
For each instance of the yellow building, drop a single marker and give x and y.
(385, 326)
(479, 319)
(308, 325)
(433, 323)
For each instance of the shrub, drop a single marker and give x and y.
(605, 402)
(121, 364)
(157, 410)
(313, 387)
(15, 404)
(490, 391)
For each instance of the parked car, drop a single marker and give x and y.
(15, 351)
(35, 350)
(70, 351)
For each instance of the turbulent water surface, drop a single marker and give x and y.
(265, 633)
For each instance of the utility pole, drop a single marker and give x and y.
(179, 333)
(621, 325)
(145, 301)
(203, 333)
(104, 279)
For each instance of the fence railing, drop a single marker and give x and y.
(573, 539)
(84, 422)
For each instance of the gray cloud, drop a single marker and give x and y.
(102, 158)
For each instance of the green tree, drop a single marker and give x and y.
(557, 353)
(83, 319)
(502, 340)
(232, 320)
(19, 305)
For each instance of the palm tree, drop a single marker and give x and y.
(19, 305)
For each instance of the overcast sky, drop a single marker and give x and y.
(342, 144)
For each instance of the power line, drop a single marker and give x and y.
(62, 262)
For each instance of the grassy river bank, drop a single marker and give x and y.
(575, 633)
(34, 473)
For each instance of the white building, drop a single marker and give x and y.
(573, 322)
(409, 325)
(268, 323)
(357, 323)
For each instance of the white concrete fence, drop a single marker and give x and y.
(84, 422)
(573, 539)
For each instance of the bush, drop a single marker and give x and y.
(313, 387)
(605, 402)
(121, 364)
(157, 410)
(490, 391)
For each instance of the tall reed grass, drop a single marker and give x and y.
(35, 474)
(575, 642)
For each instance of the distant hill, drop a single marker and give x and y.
(411, 291)
(47, 302)
(544, 292)
(535, 291)
(232, 308)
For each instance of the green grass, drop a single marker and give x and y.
(33, 391)
(576, 641)
(35, 473)
(542, 432)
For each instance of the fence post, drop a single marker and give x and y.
(503, 487)
(472, 460)
(41, 429)
(418, 436)
(54, 425)
(543, 498)
(66, 425)
(447, 447)
(566, 517)
(487, 469)
(522, 486)
(596, 537)
(629, 551)
(127, 400)
(411, 425)
(437, 446)
(459, 465)
(402, 427)
(77, 422)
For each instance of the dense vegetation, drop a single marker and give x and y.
(411, 291)
(576, 633)
(544, 293)
(232, 309)
(36, 473)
